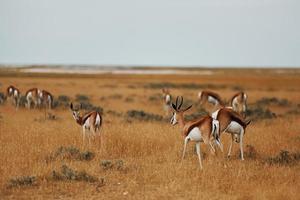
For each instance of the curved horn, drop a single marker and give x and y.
(181, 102)
(187, 108)
(176, 102)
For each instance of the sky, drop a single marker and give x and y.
(258, 33)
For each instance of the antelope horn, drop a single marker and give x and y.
(181, 102)
(176, 102)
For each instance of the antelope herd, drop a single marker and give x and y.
(206, 129)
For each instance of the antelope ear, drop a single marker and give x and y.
(187, 108)
(174, 107)
(71, 106)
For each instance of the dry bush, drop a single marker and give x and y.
(71, 153)
(67, 173)
(142, 115)
(284, 158)
(22, 181)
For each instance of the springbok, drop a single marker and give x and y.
(46, 99)
(213, 98)
(91, 121)
(204, 129)
(239, 102)
(32, 96)
(167, 100)
(233, 123)
(14, 94)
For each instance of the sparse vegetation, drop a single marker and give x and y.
(183, 86)
(112, 164)
(67, 173)
(150, 150)
(142, 115)
(71, 153)
(259, 113)
(23, 101)
(22, 181)
(62, 101)
(81, 98)
(284, 158)
(272, 101)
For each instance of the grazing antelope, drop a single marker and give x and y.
(213, 98)
(91, 121)
(45, 98)
(167, 100)
(233, 123)
(239, 102)
(204, 129)
(14, 93)
(32, 96)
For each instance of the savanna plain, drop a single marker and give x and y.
(43, 156)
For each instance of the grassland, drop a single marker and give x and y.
(150, 150)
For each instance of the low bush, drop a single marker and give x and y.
(71, 153)
(284, 158)
(68, 173)
(23, 101)
(258, 113)
(272, 101)
(81, 98)
(22, 181)
(141, 115)
(112, 164)
(62, 101)
(183, 86)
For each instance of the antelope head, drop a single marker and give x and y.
(75, 111)
(178, 112)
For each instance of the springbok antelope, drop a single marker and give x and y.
(91, 121)
(233, 123)
(239, 102)
(14, 93)
(46, 99)
(204, 129)
(213, 98)
(32, 96)
(167, 100)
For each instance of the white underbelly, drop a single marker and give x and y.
(234, 127)
(87, 124)
(195, 135)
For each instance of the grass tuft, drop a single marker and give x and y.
(71, 153)
(22, 181)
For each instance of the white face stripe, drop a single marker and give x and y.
(173, 119)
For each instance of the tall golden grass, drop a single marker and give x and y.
(150, 151)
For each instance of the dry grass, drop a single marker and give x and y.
(150, 150)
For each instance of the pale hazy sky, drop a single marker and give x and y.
(153, 32)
